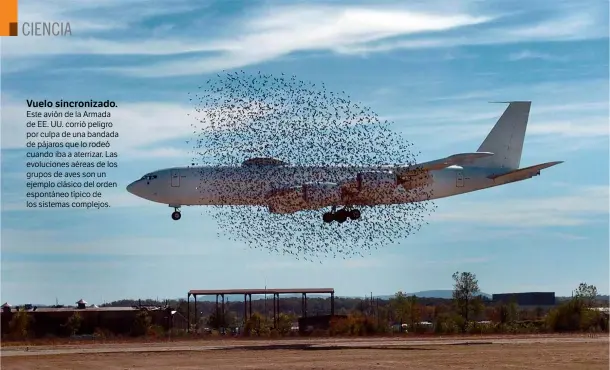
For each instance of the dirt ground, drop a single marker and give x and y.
(589, 355)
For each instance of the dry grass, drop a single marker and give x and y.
(556, 356)
(59, 341)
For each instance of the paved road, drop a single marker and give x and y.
(279, 344)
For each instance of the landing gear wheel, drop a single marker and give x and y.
(341, 216)
(176, 215)
(354, 214)
(328, 217)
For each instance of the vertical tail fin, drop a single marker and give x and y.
(506, 138)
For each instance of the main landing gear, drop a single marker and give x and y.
(341, 215)
(176, 214)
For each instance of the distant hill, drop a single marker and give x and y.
(445, 294)
(442, 294)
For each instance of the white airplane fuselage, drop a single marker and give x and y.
(285, 188)
(191, 186)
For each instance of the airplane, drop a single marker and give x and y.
(284, 188)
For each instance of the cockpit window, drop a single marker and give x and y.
(148, 177)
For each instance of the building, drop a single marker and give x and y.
(117, 320)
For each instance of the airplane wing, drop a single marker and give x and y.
(523, 173)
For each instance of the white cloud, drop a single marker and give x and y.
(290, 29)
(581, 206)
(571, 25)
(266, 35)
(529, 54)
(272, 32)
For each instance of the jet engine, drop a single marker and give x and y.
(416, 179)
(376, 185)
(376, 181)
(318, 195)
(283, 201)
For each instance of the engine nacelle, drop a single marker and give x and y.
(377, 183)
(283, 201)
(416, 180)
(321, 194)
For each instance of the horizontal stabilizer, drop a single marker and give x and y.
(523, 173)
(453, 160)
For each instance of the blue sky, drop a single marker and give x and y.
(428, 66)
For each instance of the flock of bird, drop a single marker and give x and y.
(242, 116)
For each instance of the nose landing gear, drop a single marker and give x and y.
(176, 214)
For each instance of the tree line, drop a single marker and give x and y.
(468, 312)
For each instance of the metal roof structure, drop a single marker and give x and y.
(262, 291)
(221, 293)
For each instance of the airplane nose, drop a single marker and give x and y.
(131, 188)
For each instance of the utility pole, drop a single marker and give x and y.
(377, 309)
